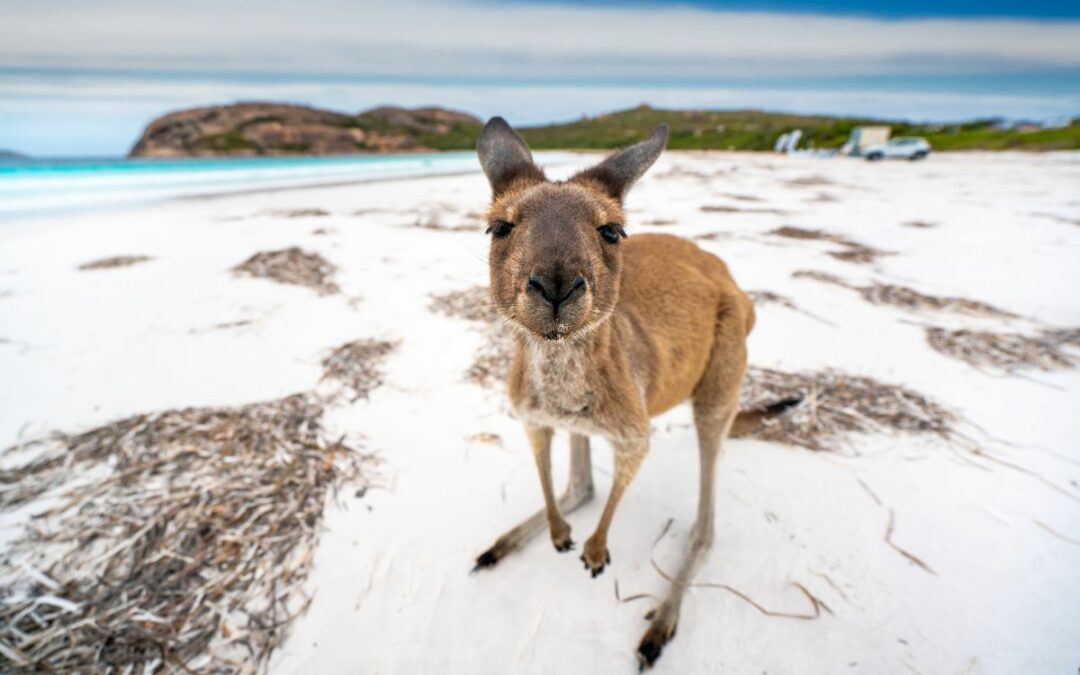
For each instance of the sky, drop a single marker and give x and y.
(84, 78)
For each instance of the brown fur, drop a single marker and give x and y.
(647, 322)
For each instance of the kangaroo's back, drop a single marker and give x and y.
(675, 299)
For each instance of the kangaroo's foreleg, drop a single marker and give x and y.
(628, 456)
(579, 490)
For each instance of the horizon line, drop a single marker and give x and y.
(766, 111)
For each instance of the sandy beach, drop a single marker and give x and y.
(897, 551)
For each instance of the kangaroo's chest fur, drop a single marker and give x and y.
(556, 387)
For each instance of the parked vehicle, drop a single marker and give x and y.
(864, 137)
(901, 147)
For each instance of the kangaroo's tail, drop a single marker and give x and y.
(747, 421)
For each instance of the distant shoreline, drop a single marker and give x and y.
(97, 186)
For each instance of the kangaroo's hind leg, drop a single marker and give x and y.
(579, 490)
(716, 402)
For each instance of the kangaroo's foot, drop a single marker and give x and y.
(532, 527)
(560, 536)
(512, 540)
(663, 621)
(491, 556)
(596, 555)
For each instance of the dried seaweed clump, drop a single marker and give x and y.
(901, 296)
(1058, 218)
(492, 362)
(115, 261)
(303, 213)
(809, 181)
(180, 541)
(803, 233)
(770, 298)
(761, 298)
(713, 236)
(909, 298)
(1009, 352)
(743, 198)
(818, 275)
(1063, 336)
(684, 172)
(491, 366)
(853, 251)
(473, 304)
(857, 253)
(727, 208)
(291, 266)
(433, 221)
(358, 364)
(834, 404)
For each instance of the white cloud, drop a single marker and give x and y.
(429, 37)
(497, 57)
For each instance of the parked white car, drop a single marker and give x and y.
(901, 147)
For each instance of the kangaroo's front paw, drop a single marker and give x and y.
(560, 537)
(596, 555)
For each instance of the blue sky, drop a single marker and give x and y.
(80, 78)
(912, 8)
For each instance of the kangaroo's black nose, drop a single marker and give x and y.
(557, 289)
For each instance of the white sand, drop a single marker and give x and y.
(392, 593)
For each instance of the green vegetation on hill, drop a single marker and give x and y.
(229, 141)
(453, 136)
(757, 130)
(983, 136)
(260, 128)
(693, 129)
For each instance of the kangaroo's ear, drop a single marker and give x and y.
(505, 156)
(620, 171)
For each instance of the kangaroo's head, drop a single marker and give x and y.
(556, 255)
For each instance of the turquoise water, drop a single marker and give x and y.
(59, 186)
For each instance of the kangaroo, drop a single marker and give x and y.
(610, 331)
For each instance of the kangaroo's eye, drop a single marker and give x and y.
(611, 232)
(499, 228)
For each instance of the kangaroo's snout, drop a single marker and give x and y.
(556, 289)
